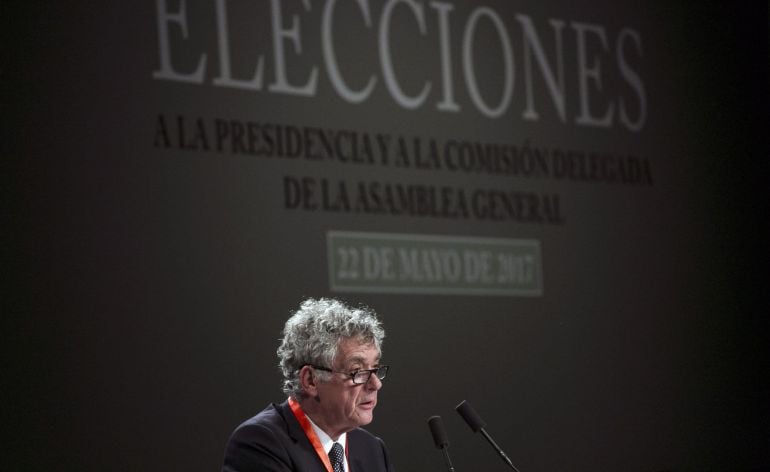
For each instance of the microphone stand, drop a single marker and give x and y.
(499, 450)
(447, 460)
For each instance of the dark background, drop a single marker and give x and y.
(142, 304)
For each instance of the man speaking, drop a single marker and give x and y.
(330, 359)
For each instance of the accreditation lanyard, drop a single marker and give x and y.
(310, 433)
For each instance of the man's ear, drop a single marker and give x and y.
(308, 381)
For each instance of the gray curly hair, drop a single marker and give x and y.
(312, 333)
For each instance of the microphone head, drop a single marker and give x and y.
(470, 416)
(438, 432)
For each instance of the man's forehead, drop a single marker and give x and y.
(355, 351)
(356, 358)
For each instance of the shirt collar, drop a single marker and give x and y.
(326, 441)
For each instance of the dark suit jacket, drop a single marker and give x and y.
(273, 441)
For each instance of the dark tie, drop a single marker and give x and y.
(337, 456)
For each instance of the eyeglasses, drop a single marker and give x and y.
(359, 377)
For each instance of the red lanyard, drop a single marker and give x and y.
(310, 433)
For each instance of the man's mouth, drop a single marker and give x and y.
(368, 404)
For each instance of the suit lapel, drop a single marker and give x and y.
(305, 456)
(292, 425)
(356, 457)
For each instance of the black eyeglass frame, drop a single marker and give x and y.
(352, 375)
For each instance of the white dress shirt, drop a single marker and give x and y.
(327, 442)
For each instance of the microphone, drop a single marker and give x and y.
(477, 424)
(440, 438)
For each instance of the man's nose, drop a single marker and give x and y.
(374, 383)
